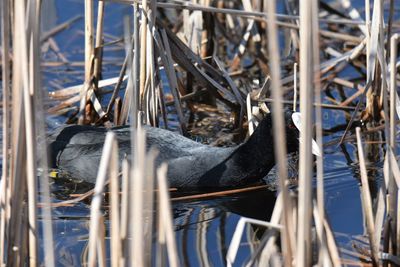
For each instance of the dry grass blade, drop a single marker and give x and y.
(193, 63)
(231, 82)
(117, 87)
(394, 106)
(28, 91)
(220, 193)
(153, 94)
(318, 113)
(168, 65)
(355, 112)
(275, 219)
(375, 56)
(138, 140)
(39, 135)
(135, 71)
(109, 155)
(88, 38)
(374, 40)
(5, 178)
(323, 258)
(341, 58)
(143, 47)
(287, 235)
(83, 101)
(366, 198)
(46, 35)
(166, 216)
(99, 40)
(89, 60)
(250, 118)
(124, 211)
(178, 5)
(130, 92)
(18, 152)
(307, 32)
(115, 207)
(148, 203)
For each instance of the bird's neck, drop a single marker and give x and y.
(259, 148)
(252, 160)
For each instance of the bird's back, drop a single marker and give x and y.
(77, 150)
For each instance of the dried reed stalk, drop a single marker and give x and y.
(89, 56)
(275, 218)
(220, 193)
(129, 91)
(153, 101)
(143, 47)
(5, 178)
(131, 103)
(47, 35)
(171, 74)
(89, 33)
(323, 254)
(137, 175)
(28, 91)
(101, 247)
(374, 47)
(366, 199)
(295, 90)
(318, 111)
(124, 212)
(110, 154)
(135, 101)
(17, 169)
(250, 117)
(115, 242)
(39, 132)
(256, 15)
(165, 216)
(99, 41)
(287, 234)
(393, 90)
(333, 250)
(394, 194)
(303, 257)
(148, 203)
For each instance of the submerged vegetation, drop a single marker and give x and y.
(210, 69)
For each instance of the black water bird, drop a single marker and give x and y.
(77, 150)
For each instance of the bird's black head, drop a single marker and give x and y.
(264, 134)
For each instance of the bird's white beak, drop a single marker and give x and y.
(296, 118)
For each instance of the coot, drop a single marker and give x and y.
(77, 150)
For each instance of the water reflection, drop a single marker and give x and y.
(346, 214)
(203, 228)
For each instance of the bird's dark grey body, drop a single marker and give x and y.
(77, 151)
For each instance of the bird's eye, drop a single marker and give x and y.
(292, 126)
